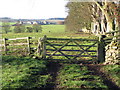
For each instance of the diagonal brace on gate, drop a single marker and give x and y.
(83, 50)
(58, 50)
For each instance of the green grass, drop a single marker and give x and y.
(23, 72)
(76, 76)
(114, 73)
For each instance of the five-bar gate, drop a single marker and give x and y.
(71, 49)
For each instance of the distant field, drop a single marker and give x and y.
(11, 23)
(50, 31)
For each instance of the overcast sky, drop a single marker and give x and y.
(32, 9)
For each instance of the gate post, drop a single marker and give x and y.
(44, 47)
(101, 49)
(39, 48)
(28, 42)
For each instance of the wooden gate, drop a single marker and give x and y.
(70, 49)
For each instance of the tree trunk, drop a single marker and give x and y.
(109, 21)
(109, 26)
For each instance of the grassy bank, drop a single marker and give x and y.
(113, 71)
(23, 72)
(76, 76)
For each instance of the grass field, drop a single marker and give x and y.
(50, 31)
(23, 72)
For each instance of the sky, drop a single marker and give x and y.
(33, 9)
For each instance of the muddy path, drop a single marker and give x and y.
(53, 69)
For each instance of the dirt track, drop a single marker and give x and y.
(53, 69)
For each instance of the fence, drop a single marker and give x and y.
(6, 44)
(112, 36)
(63, 48)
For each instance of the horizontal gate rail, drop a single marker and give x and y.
(112, 36)
(72, 45)
(73, 50)
(80, 39)
(73, 55)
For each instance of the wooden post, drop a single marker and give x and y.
(39, 48)
(101, 49)
(44, 47)
(5, 45)
(28, 41)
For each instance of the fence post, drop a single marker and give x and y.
(5, 45)
(101, 49)
(44, 47)
(28, 41)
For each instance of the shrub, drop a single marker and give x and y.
(37, 28)
(19, 28)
